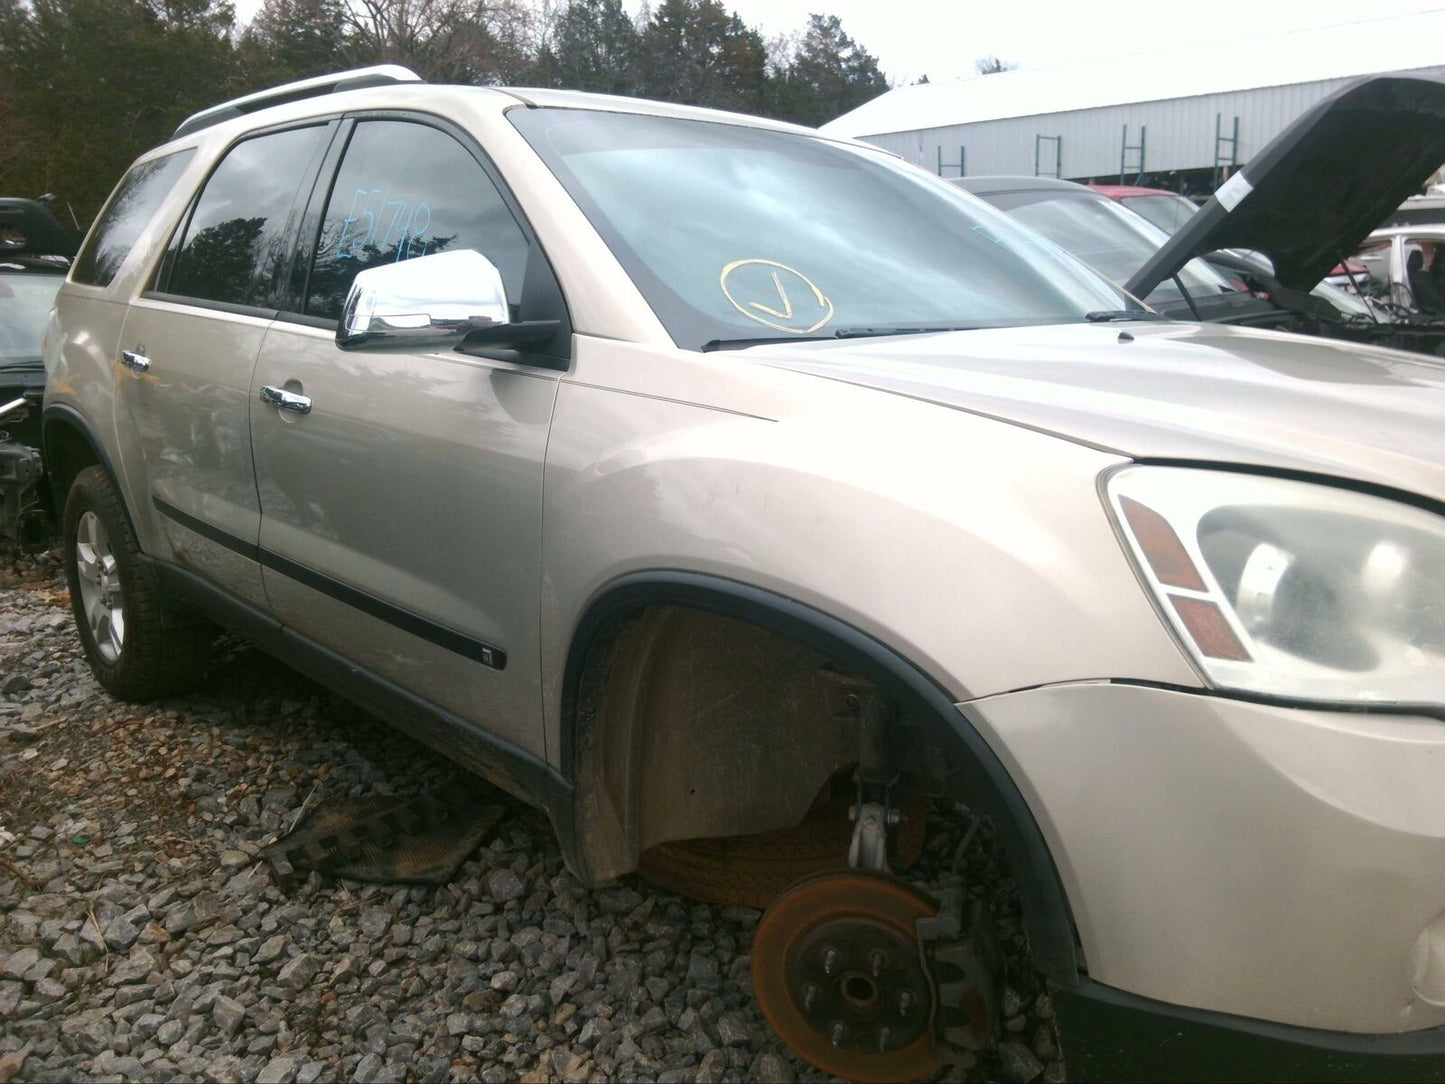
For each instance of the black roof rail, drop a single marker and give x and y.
(380, 75)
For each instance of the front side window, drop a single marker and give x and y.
(407, 189)
(740, 232)
(125, 217)
(236, 241)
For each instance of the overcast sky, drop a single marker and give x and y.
(941, 38)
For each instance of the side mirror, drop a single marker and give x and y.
(438, 302)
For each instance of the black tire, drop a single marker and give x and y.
(147, 658)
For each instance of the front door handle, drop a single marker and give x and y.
(135, 360)
(282, 399)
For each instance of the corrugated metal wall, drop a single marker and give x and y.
(1179, 134)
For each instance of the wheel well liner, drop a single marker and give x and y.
(1046, 910)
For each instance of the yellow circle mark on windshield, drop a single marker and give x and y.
(775, 295)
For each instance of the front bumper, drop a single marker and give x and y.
(1273, 863)
(1112, 1036)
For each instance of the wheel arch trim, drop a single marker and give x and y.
(55, 415)
(1047, 915)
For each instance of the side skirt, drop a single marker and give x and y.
(499, 762)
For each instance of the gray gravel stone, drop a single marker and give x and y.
(270, 950)
(373, 922)
(1018, 1063)
(280, 1070)
(504, 980)
(733, 1030)
(298, 972)
(504, 885)
(18, 963)
(712, 1067)
(227, 1014)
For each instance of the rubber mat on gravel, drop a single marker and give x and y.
(422, 840)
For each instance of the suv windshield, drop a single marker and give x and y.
(1113, 241)
(737, 232)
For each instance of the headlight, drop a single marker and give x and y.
(1291, 589)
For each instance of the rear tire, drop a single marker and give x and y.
(132, 652)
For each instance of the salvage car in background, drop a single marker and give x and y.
(1406, 269)
(1116, 242)
(35, 252)
(660, 464)
(1167, 210)
(1233, 286)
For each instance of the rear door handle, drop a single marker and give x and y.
(135, 360)
(282, 399)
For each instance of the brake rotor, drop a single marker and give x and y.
(837, 974)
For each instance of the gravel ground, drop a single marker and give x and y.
(140, 940)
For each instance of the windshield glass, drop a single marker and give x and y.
(25, 302)
(1168, 212)
(735, 232)
(1113, 241)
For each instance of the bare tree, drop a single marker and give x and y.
(992, 65)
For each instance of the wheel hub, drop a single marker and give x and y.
(101, 598)
(838, 974)
(860, 984)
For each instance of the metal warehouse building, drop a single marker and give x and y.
(1181, 118)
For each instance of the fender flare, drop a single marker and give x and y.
(1047, 915)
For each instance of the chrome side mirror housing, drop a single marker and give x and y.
(423, 304)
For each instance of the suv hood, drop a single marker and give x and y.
(1317, 190)
(1172, 391)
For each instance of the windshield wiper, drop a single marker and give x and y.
(860, 332)
(760, 340)
(870, 332)
(1104, 316)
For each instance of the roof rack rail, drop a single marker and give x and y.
(379, 75)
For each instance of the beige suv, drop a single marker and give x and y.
(661, 465)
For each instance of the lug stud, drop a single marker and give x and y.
(830, 961)
(905, 1002)
(876, 960)
(884, 1034)
(810, 996)
(839, 1034)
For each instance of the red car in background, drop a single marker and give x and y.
(1169, 210)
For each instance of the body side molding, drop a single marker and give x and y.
(458, 642)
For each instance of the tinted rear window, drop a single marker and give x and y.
(236, 241)
(125, 216)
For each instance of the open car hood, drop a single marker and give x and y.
(1317, 190)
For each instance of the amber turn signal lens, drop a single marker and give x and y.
(1167, 557)
(1207, 625)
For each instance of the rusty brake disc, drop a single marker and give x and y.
(837, 973)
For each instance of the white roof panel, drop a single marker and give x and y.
(1396, 43)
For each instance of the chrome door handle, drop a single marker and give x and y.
(135, 360)
(282, 399)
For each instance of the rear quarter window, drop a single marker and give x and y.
(125, 217)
